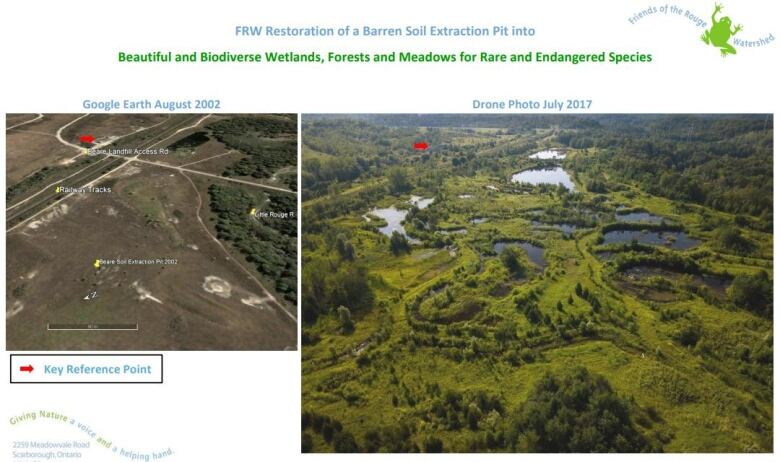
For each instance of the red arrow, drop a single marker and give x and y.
(27, 368)
(86, 138)
(421, 146)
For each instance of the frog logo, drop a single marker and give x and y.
(720, 33)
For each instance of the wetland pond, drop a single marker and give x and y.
(638, 217)
(717, 283)
(421, 202)
(537, 176)
(677, 240)
(535, 253)
(394, 217)
(566, 228)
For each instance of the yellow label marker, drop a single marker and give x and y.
(59, 188)
(96, 264)
(252, 212)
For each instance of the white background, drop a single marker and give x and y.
(246, 405)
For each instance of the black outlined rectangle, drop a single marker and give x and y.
(11, 376)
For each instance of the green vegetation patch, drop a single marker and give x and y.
(575, 412)
(190, 141)
(270, 244)
(425, 335)
(269, 143)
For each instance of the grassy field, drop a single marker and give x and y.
(447, 344)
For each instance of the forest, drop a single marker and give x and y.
(269, 245)
(269, 142)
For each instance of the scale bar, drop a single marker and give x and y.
(91, 326)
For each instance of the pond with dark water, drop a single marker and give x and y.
(534, 252)
(717, 283)
(677, 240)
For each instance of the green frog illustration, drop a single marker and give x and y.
(720, 33)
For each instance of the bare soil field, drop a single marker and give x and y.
(34, 145)
(18, 119)
(161, 267)
(104, 127)
(189, 154)
(202, 302)
(217, 164)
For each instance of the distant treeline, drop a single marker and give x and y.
(525, 122)
(724, 163)
(511, 122)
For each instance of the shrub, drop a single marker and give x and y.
(511, 259)
(753, 293)
(688, 334)
(575, 411)
(729, 238)
(345, 319)
(433, 444)
(399, 244)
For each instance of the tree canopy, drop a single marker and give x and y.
(575, 411)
